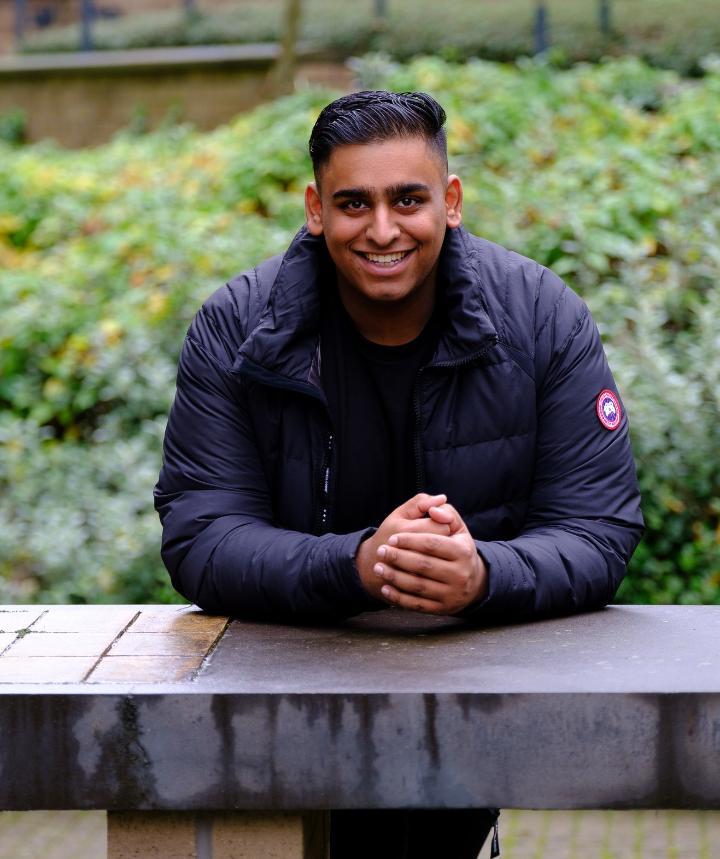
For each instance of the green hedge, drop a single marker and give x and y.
(664, 32)
(610, 174)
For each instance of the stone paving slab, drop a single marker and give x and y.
(106, 619)
(60, 644)
(523, 835)
(105, 644)
(163, 643)
(143, 669)
(6, 639)
(44, 669)
(151, 620)
(14, 619)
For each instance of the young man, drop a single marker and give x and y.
(396, 412)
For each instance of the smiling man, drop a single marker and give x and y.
(395, 412)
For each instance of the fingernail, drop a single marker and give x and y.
(385, 591)
(381, 551)
(393, 540)
(378, 569)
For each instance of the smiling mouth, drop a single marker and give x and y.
(387, 260)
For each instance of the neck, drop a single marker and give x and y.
(389, 323)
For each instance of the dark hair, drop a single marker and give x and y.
(374, 115)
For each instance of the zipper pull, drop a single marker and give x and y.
(495, 845)
(326, 482)
(326, 487)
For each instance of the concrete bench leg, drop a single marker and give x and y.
(218, 835)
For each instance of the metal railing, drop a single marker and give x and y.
(89, 11)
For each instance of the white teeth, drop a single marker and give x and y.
(386, 259)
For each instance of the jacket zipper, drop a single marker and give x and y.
(322, 515)
(325, 503)
(417, 443)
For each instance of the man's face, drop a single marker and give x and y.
(383, 209)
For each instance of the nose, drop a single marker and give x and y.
(382, 229)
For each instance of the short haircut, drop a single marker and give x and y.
(372, 116)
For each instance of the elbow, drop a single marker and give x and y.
(187, 576)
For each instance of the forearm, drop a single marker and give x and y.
(255, 569)
(562, 568)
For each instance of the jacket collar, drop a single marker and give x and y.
(469, 329)
(285, 340)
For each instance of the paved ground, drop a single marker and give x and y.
(523, 835)
(609, 835)
(52, 835)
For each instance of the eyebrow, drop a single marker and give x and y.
(392, 191)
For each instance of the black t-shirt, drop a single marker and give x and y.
(370, 394)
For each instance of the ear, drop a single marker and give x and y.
(313, 210)
(453, 201)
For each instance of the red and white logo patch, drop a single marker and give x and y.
(608, 409)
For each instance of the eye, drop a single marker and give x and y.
(353, 206)
(407, 202)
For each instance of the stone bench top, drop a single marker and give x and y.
(163, 707)
(631, 649)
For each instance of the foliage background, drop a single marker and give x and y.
(610, 174)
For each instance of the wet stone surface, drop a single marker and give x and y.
(164, 707)
(104, 644)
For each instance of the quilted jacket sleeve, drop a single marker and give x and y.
(220, 545)
(584, 517)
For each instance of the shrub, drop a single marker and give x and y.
(12, 127)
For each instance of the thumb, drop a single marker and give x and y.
(446, 514)
(418, 506)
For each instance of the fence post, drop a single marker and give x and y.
(87, 17)
(542, 41)
(281, 79)
(605, 17)
(20, 22)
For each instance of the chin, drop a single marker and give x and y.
(386, 293)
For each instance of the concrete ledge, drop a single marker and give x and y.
(617, 709)
(381, 751)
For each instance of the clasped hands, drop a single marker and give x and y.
(423, 558)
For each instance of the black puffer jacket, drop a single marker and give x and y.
(506, 427)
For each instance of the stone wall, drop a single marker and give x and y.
(83, 99)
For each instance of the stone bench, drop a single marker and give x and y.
(212, 739)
